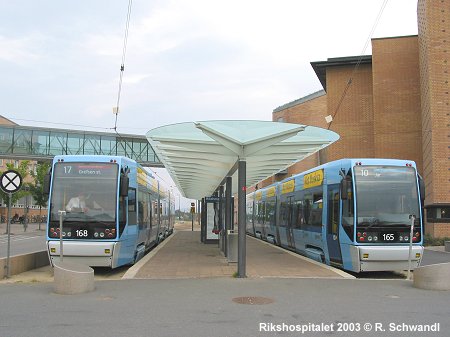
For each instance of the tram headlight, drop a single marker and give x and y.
(102, 235)
(95, 235)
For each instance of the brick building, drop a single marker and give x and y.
(391, 104)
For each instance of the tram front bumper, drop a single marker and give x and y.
(94, 254)
(385, 258)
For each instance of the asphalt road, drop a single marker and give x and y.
(433, 257)
(22, 243)
(212, 307)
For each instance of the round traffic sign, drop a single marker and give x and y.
(10, 181)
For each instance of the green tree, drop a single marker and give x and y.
(37, 187)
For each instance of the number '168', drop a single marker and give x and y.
(82, 232)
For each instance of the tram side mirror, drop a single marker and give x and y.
(47, 180)
(124, 183)
(345, 183)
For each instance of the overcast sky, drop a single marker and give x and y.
(186, 60)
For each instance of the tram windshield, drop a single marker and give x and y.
(87, 192)
(386, 196)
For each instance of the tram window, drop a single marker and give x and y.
(154, 212)
(307, 209)
(260, 217)
(348, 213)
(293, 215)
(270, 212)
(131, 206)
(122, 215)
(150, 213)
(316, 210)
(333, 210)
(284, 214)
(249, 212)
(143, 209)
(299, 219)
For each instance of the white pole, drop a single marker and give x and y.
(61, 214)
(8, 230)
(412, 217)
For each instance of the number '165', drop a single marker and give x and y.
(388, 237)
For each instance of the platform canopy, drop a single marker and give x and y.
(199, 155)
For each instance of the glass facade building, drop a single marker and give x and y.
(23, 142)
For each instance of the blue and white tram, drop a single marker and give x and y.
(350, 213)
(124, 211)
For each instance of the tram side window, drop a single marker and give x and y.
(333, 210)
(348, 213)
(122, 215)
(293, 210)
(261, 212)
(154, 212)
(143, 209)
(299, 219)
(284, 213)
(249, 212)
(150, 213)
(132, 207)
(270, 212)
(307, 202)
(316, 209)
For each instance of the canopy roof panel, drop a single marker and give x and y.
(199, 155)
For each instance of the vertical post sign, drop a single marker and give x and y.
(192, 214)
(10, 182)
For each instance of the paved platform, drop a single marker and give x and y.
(184, 256)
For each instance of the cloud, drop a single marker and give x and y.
(186, 59)
(20, 51)
(135, 78)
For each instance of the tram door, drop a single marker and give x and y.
(334, 249)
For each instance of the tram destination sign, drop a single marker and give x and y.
(71, 169)
(10, 181)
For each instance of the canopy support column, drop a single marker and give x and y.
(242, 166)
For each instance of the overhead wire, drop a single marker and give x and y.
(58, 123)
(355, 68)
(122, 65)
(122, 69)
